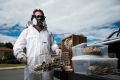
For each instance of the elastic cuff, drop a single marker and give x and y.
(20, 55)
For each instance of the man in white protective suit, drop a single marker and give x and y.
(39, 43)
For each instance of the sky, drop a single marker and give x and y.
(95, 19)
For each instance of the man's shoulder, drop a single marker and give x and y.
(48, 32)
(24, 31)
(27, 28)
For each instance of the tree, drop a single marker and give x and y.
(2, 44)
(9, 45)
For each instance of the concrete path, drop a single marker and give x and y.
(12, 68)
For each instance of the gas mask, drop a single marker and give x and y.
(39, 20)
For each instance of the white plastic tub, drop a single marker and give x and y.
(79, 50)
(89, 64)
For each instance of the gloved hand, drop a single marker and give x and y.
(37, 67)
(22, 58)
(59, 52)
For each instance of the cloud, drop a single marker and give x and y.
(11, 30)
(79, 14)
(66, 16)
(5, 38)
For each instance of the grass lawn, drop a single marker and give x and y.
(10, 65)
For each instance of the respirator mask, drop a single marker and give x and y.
(39, 20)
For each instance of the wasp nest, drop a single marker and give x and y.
(92, 50)
(55, 62)
(68, 43)
(100, 69)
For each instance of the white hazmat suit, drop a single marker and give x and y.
(38, 50)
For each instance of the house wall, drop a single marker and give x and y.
(1, 53)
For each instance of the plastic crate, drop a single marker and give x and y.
(90, 64)
(78, 49)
